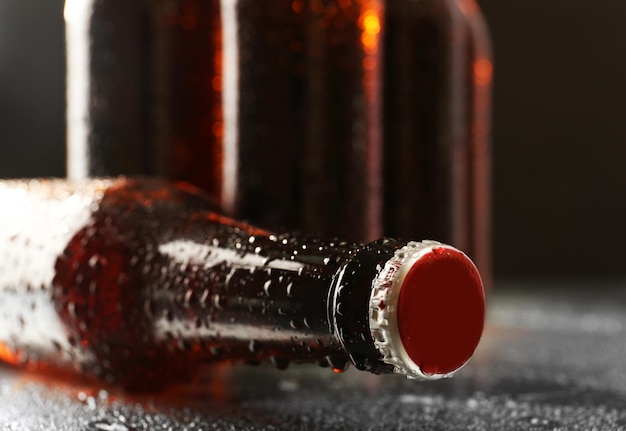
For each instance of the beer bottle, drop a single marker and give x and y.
(144, 90)
(141, 283)
(437, 151)
(356, 118)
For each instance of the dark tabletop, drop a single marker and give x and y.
(552, 358)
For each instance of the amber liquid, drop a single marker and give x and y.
(140, 283)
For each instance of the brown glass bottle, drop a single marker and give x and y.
(438, 73)
(144, 89)
(351, 118)
(263, 104)
(140, 283)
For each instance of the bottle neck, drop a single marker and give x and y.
(257, 295)
(350, 304)
(264, 291)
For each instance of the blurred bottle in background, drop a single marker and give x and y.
(352, 118)
(144, 89)
(437, 96)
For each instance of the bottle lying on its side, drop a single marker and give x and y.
(140, 281)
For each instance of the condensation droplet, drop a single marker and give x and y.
(254, 346)
(93, 261)
(295, 324)
(188, 297)
(279, 363)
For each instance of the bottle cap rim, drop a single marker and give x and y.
(427, 310)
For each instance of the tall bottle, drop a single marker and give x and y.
(140, 283)
(144, 90)
(357, 118)
(437, 116)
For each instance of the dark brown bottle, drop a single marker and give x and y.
(310, 148)
(139, 282)
(144, 90)
(265, 105)
(437, 124)
(356, 118)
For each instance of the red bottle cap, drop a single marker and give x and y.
(427, 310)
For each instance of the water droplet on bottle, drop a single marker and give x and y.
(71, 340)
(254, 346)
(188, 297)
(326, 260)
(361, 362)
(71, 310)
(134, 260)
(205, 296)
(168, 315)
(428, 370)
(279, 363)
(186, 345)
(93, 261)
(104, 425)
(295, 324)
(229, 277)
(440, 251)
(337, 364)
(149, 307)
(218, 301)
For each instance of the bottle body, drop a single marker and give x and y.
(140, 282)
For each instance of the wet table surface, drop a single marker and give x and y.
(553, 357)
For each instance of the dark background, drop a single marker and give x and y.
(559, 126)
